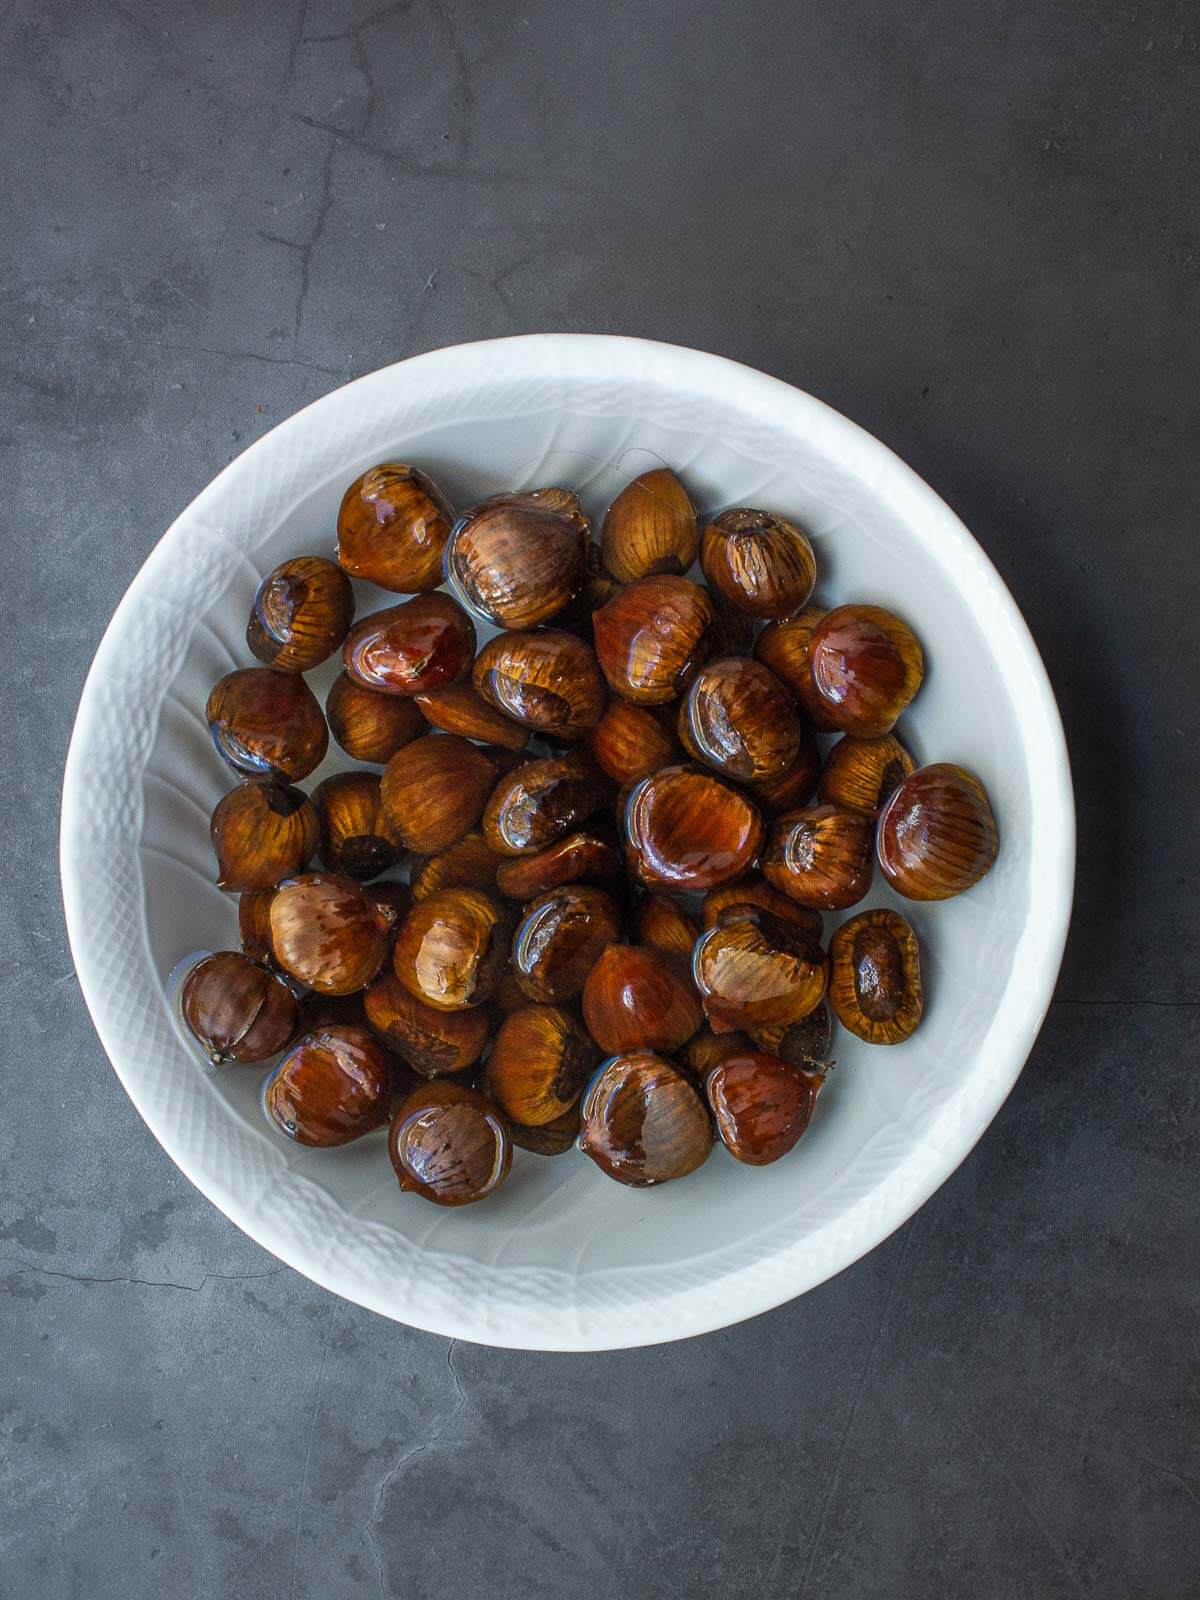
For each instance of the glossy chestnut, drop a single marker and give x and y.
(643, 1121)
(862, 774)
(875, 977)
(705, 1049)
(546, 680)
(421, 645)
(759, 562)
(508, 995)
(333, 1085)
(541, 800)
(738, 718)
(451, 947)
(539, 1065)
(867, 665)
(559, 938)
(449, 1144)
(754, 890)
(630, 742)
(663, 924)
(435, 790)
(650, 528)
(761, 1105)
(434, 1043)
(460, 708)
(327, 931)
(785, 647)
(796, 785)
(468, 862)
(254, 908)
(267, 724)
(637, 998)
(820, 856)
(392, 897)
(520, 559)
(589, 855)
(937, 834)
(690, 830)
(804, 1044)
(368, 725)
(357, 837)
(756, 970)
(237, 1009)
(262, 831)
(653, 636)
(392, 529)
(301, 614)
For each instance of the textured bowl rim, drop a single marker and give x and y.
(793, 1269)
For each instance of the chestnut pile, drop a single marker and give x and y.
(618, 829)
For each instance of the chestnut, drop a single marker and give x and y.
(875, 977)
(756, 891)
(332, 1086)
(547, 680)
(540, 1063)
(937, 835)
(267, 724)
(449, 1144)
(422, 644)
(862, 774)
(761, 1105)
(636, 998)
(597, 591)
(548, 1138)
(393, 898)
(630, 742)
(508, 995)
(559, 938)
(650, 528)
(520, 559)
(327, 932)
(450, 948)
(301, 614)
(590, 855)
(237, 1008)
(735, 630)
(866, 667)
(756, 970)
(262, 831)
(664, 925)
(435, 790)
(357, 837)
(468, 862)
(540, 801)
(705, 1049)
(760, 563)
(643, 1121)
(368, 725)
(796, 785)
(689, 830)
(459, 708)
(432, 1042)
(739, 718)
(652, 637)
(785, 648)
(254, 908)
(392, 529)
(820, 856)
(803, 1044)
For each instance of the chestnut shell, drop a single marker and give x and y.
(416, 647)
(468, 861)
(449, 1144)
(937, 836)
(460, 708)
(589, 855)
(862, 774)
(867, 665)
(738, 718)
(332, 1086)
(262, 831)
(630, 742)
(650, 528)
(761, 1105)
(653, 636)
(637, 997)
(435, 789)
(643, 1121)
(356, 836)
(785, 647)
(520, 559)
(547, 680)
(820, 856)
(432, 1042)
(301, 613)
(267, 724)
(690, 830)
(451, 947)
(756, 970)
(237, 1009)
(392, 528)
(875, 977)
(759, 562)
(663, 924)
(368, 725)
(328, 932)
(536, 803)
(539, 1064)
(754, 890)
(559, 938)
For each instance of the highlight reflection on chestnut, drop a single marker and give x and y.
(332, 1086)
(266, 723)
(643, 1121)
(539, 801)
(356, 836)
(653, 636)
(755, 970)
(451, 946)
(689, 830)
(867, 665)
(637, 997)
(559, 939)
(754, 890)
(413, 648)
(761, 1105)
(875, 977)
(547, 680)
(520, 559)
(759, 562)
(738, 718)
(327, 932)
(820, 856)
(937, 836)
(786, 647)
(449, 1144)
(460, 708)
(237, 1009)
(392, 529)
(589, 855)
(301, 613)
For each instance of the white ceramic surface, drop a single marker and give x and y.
(562, 1258)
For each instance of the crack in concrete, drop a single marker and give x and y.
(146, 1283)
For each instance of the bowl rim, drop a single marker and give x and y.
(759, 1287)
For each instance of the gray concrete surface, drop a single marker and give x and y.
(973, 230)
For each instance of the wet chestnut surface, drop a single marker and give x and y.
(739, 718)
(520, 559)
(650, 528)
(548, 680)
(422, 645)
(460, 708)
(875, 977)
(754, 969)
(759, 562)
(328, 932)
(237, 1009)
(357, 837)
(862, 774)
(451, 947)
(639, 997)
(689, 830)
(820, 856)
(867, 664)
(392, 528)
(432, 1042)
(539, 1064)
(332, 1086)
(937, 835)
(262, 831)
(449, 1144)
(653, 636)
(644, 1122)
(368, 725)
(761, 1105)
(559, 939)
(266, 723)
(589, 855)
(301, 613)
(435, 789)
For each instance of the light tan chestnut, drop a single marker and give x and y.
(435, 790)
(862, 774)
(759, 562)
(875, 977)
(739, 718)
(756, 970)
(328, 932)
(451, 947)
(368, 725)
(539, 1064)
(650, 528)
(392, 529)
(262, 831)
(653, 636)
(548, 680)
(820, 856)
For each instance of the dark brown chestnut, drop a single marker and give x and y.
(432, 1042)
(637, 998)
(650, 528)
(643, 1121)
(435, 790)
(937, 835)
(467, 862)
(509, 995)
(653, 636)
(449, 1144)
(804, 1044)
(590, 855)
(357, 837)
(689, 830)
(630, 742)
(756, 970)
(862, 774)
(460, 708)
(785, 648)
(541, 800)
(420, 645)
(820, 856)
(739, 718)
(866, 666)
(368, 725)
(393, 898)
(760, 563)
(793, 787)
(761, 1105)
(301, 614)
(540, 1063)
(547, 680)
(262, 831)
(875, 977)
(450, 948)
(754, 890)
(267, 724)
(237, 1009)
(328, 932)
(520, 559)
(548, 1138)
(705, 1049)
(254, 909)
(559, 938)
(664, 925)
(392, 529)
(332, 1086)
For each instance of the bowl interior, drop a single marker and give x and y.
(561, 1256)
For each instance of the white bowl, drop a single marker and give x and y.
(562, 1258)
